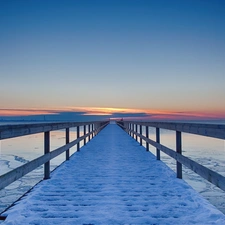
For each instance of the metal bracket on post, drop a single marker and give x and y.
(46, 151)
(67, 141)
(147, 136)
(78, 135)
(158, 141)
(179, 151)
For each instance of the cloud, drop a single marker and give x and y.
(25, 112)
(95, 113)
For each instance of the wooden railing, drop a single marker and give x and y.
(209, 130)
(10, 131)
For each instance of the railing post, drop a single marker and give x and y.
(46, 151)
(136, 132)
(99, 127)
(179, 151)
(133, 129)
(158, 141)
(147, 136)
(92, 126)
(141, 134)
(96, 128)
(89, 130)
(67, 141)
(84, 134)
(78, 135)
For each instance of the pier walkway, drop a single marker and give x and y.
(113, 180)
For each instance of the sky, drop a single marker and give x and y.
(154, 57)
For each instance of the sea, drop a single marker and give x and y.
(15, 152)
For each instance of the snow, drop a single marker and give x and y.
(113, 180)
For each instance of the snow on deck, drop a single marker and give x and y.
(113, 180)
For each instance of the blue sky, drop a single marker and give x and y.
(166, 56)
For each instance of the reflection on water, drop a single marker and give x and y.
(209, 152)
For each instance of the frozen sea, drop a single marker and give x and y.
(209, 152)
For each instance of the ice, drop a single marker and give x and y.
(113, 180)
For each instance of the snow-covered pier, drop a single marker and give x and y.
(113, 180)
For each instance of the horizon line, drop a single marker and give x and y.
(110, 112)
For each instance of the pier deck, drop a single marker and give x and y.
(113, 180)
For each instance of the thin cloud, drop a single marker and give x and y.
(71, 113)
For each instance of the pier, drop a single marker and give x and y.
(113, 179)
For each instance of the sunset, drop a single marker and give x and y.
(112, 112)
(160, 57)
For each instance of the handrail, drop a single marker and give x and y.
(11, 131)
(17, 130)
(209, 130)
(216, 131)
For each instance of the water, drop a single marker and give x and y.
(209, 152)
(15, 152)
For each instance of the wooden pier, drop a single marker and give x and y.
(113, 179)
(208, 130)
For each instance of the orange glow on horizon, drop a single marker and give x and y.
(148, 114)
(25, 112)
(104, 110)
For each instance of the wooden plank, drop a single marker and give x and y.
(46, 151)
(78, 135)
(179, 150)
(141, 134)
(19, 172)
(133, 129)
(102, 126)
(67, 141)
(136, 129)
(209, 130)
(84, 134)
(11, 131)
(89, 130)
(121, 125)
(210, 175)
(147, 136)
(158, 141)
